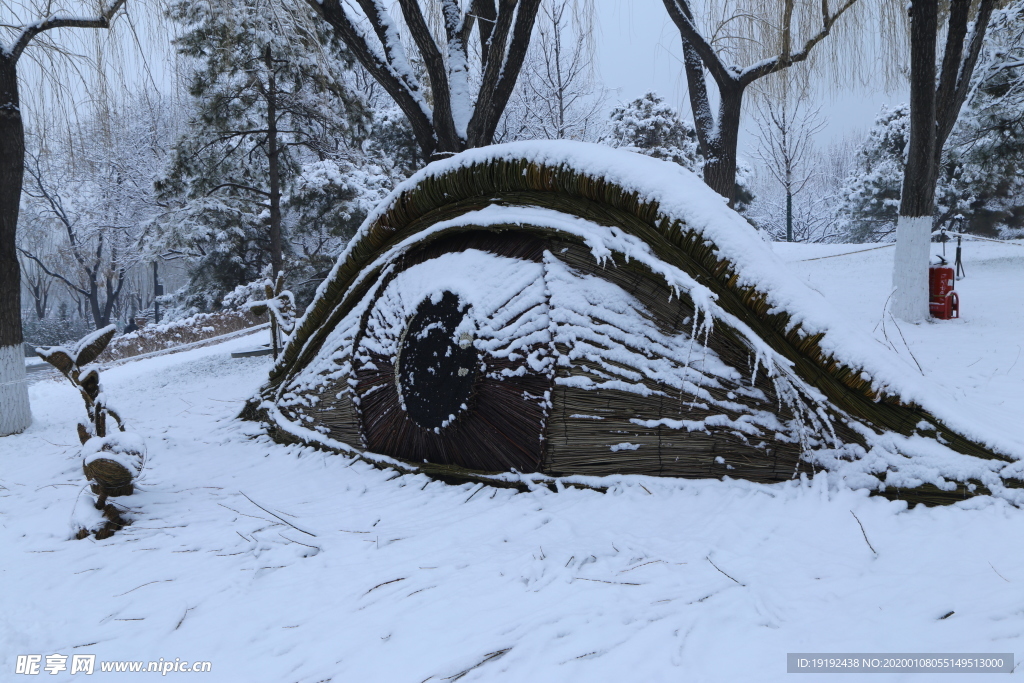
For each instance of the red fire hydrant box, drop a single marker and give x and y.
(943, 301)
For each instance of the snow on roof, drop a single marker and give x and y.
(681, 195)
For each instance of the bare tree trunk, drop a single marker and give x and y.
(93, 296)
(274, 161)
(917, 201)
(720, 157)
(718, 137)
(789, 214)
(934, 108)
(15, 414)
(41, 295)
(504, 30)
(39, 285)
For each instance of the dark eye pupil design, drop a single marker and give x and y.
(436, 370)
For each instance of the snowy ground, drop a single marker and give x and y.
(979, 358)
(354, 574)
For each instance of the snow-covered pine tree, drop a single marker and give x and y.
(649, 125)
(872, 192)
(273, 118)
(327, 200)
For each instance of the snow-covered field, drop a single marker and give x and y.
(286, 565)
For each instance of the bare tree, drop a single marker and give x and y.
(15, 414)
(92, 187)
(785, 137)
(94, 258)
(777, 34)
(38, 284)
(557, 96)
(466, 93)
(37, 239)
(934, 109)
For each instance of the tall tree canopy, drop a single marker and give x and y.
(466, 89)
(272, 137)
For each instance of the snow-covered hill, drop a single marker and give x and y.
(282, 564)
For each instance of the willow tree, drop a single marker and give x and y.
(775, 36)
(934, 108)
(15, 414)
(467, 89)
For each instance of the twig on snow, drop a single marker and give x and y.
(145, 584)
(708, 558)
(308, 533)
(614, 583)
(487, 658)
(383, 584)
(292, 540)
(864, 532)
(182, 620)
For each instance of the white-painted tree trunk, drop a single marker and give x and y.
(910, 268)
(15, 414)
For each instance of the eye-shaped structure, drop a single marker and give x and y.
(569, 309)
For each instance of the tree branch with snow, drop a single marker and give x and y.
(457, 116)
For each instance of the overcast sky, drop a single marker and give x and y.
(639, 50)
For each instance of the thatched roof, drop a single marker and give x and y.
(668, 224)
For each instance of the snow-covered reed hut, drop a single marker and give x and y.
(569, 309)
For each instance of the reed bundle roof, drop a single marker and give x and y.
(694, 268)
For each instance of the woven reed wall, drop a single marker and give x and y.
(523, 183)
(585, 425)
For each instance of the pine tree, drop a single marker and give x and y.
(271, 99)
(872, 193)
(650, 126)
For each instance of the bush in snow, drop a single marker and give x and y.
(648, 125)
(55, 330)
(198, 327)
